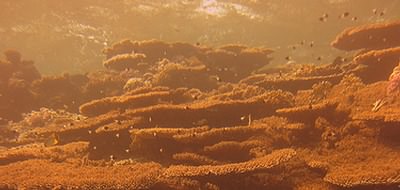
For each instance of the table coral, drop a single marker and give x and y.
(369, 36)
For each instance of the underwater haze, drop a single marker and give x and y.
(200, 94)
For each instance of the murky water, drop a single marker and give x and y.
(200, 94)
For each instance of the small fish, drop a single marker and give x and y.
(378, 104)
(324, 17)
(375, 11)
(345, 14)
(52, 140)
(354, 18)
(216, 78)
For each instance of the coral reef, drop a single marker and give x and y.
(380, 46)
(44, 174)
(180, 116)
(227, 63)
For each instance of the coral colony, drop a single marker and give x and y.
(177, 115)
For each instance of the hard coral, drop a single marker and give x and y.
(259, 164)
(174, 75)
(16, 76)
(380, 64)
(126, 61)
(370, 36)
(394, 81)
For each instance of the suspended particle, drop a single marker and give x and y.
(319, 58)
(243, 118)
(311, 44)
(117, 135)
(94, 148)
(161, 150)
(154, 134)
(216, 78)
(90, 132)
(354, 18)
(382, 13)
(288, 58)
(375, 11)
(150, 119)
(127, 150)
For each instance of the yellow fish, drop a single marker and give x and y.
(52, 140)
